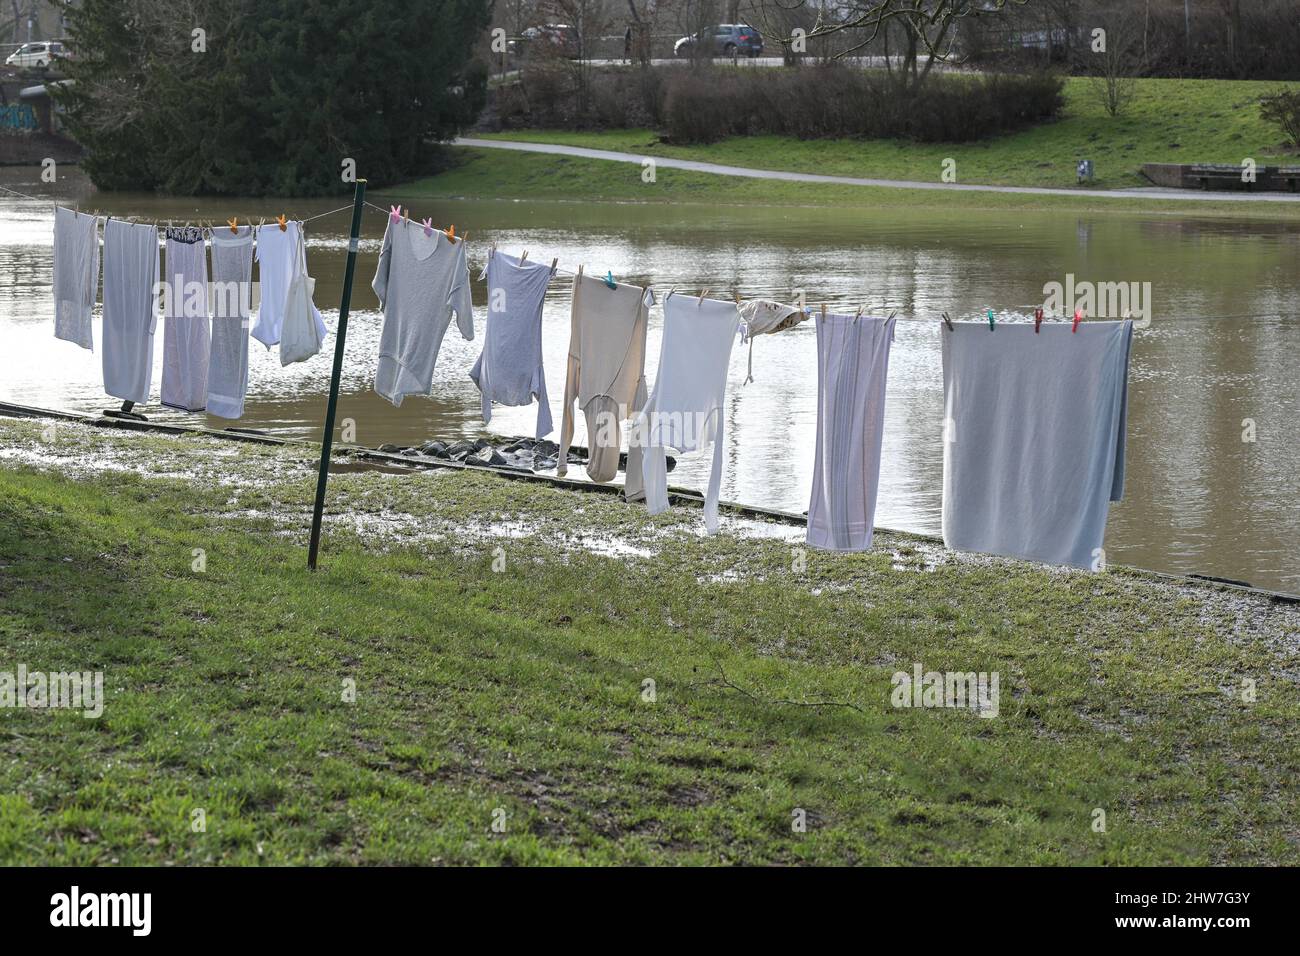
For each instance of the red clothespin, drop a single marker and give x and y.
(1038, 320)
(395, 214)
(428, 226)
(284, 222)
(1078, 317)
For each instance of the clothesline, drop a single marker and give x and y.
(562, 270)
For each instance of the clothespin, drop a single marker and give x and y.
(1078, 317)
(1038, 319)
(233, 223)
(395, 214)
(284, 223)
(948, 322)
(451, 232)
(579, 270)
(990, 320)
(702, 295)
(858, 314)
(823, 310)
(428, 226)
(555, 262)
(609, 279)
(737, 294)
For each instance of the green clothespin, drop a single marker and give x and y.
(990, 320)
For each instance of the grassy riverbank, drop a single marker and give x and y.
(1168, 121)
(502, 174)
(520, 692)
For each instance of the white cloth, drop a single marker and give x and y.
(605, 374)
(131, 267)
(684, 412)
(232, 278)
(277, 262)
(852, 366)
(1034, 438)
(509, 369)
(187, 334)
(764, 317)
(76, 275)
(303, 333)
(421, 280)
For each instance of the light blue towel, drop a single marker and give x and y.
(1034, 438)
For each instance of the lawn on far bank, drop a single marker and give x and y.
(519, 695)
(485, 174)
(1168, 121)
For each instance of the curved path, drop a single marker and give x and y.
(664, 162)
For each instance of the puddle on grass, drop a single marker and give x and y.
(353, 467)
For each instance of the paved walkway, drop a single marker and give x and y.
(663, 162)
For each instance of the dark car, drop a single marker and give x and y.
(555, 39)
(725, 39)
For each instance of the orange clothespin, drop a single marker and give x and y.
(232, 223)
(451, 231)
(283, 221)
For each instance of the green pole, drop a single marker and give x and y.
(327, 439)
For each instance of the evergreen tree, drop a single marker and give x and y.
(273, 95)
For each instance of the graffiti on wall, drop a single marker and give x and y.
(19, 116)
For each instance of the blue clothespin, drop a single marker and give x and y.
(990, 320)
(609, 279)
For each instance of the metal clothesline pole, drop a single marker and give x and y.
(327, 437)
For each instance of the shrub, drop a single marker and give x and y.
(836, 101)
(704, 106)
(1283, 109)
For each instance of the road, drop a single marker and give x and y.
(717, 169)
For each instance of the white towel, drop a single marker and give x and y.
(852, 366)
(76, 275)
(232, 276)
(131, 269)
(1034, 438)
(187, 334)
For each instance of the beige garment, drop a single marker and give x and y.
(606, 373)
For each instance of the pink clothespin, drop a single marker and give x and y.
(395, 214)
(428, 226)
(1078, 317)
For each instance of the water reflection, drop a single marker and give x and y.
(1221, 350)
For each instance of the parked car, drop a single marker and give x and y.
(725, 39)
(557, 39)
(38, 55)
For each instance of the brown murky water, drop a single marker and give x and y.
(1223, 347)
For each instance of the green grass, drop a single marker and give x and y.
(1173, 121)
(484, 174)
(521, 690)
(1170, 121)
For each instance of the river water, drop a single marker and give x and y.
(1223, 346)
